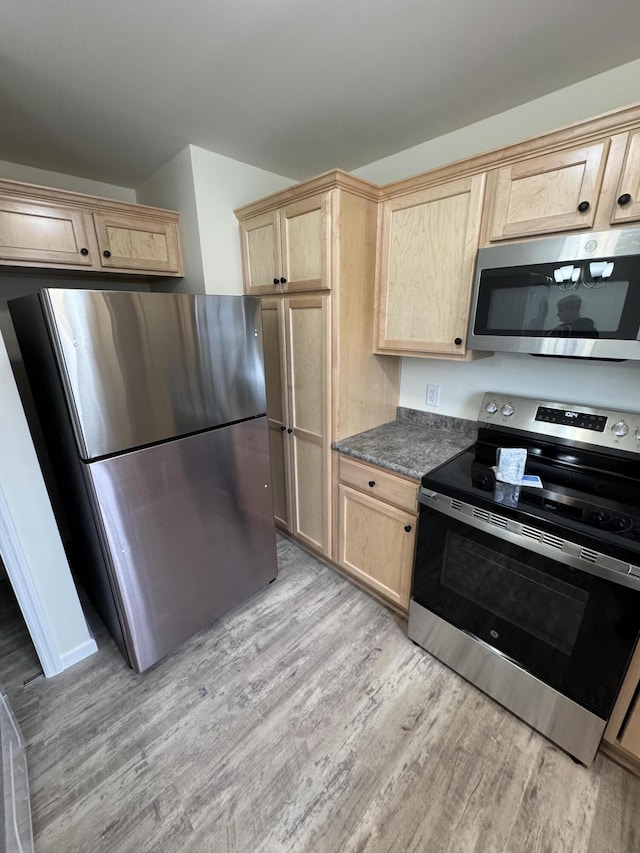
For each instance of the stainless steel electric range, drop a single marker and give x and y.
(533, 594)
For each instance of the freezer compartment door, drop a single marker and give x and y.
(187, 528)
(139, 368)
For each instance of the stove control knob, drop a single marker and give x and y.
(637, 434)
(491, 408)
(620, 429)
(507, 410)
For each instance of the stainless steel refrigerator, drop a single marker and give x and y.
(153, 410)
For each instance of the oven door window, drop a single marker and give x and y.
(572, 630)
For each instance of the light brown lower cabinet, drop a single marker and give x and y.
(296, 355)
(622, 735)
(377, 529)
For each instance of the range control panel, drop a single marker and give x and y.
(587, 424)
(570, 417)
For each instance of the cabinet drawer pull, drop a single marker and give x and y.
(407, 528)
(625, 198)
(84, 251)
(458, 341)
(584, 206)
(107, 253)
(372, 483)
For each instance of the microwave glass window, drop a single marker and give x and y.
(560, 300)
(544, 310)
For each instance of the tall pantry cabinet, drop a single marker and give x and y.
(309, 251)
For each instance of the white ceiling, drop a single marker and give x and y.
(112, 89)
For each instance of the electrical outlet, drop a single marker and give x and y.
(433, 395)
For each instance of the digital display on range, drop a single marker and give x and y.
(567, 417)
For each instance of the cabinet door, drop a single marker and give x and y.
(628, 209)
(260, 239)
(137, 243)
(307, 334)
(273, 340)
(305, 232)
(43, 234)
(623, 729)
(429, 241)
(376, 544)
(554, 192)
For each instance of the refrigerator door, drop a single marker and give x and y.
(139, 368)
(187, 529)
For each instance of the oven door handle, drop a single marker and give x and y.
(533, 539)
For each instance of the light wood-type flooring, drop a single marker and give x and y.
(303, 722)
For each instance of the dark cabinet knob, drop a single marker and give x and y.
(276, 281)
(84, 251)
(407, 528)
(282, 429)
(625, 198)
(283, 281)
(372, 483)
(458, 341)
(289, 430)
(584, 206)
(107, 253)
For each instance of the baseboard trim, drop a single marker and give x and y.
(84, 650)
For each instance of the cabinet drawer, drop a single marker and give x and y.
(380, 484)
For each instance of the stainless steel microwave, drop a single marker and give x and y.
(575, 296)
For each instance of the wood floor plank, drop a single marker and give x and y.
(304, 721)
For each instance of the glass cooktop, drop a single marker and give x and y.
(593, 495)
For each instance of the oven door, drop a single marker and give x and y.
(569, 629)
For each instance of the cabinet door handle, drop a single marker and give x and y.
(458, 341)
(84, 251)
(584, 206)
(107, 253)
(276, 281)
(372, 483)
(289, 430)
(625, 198)
(407, 528)
(282, 429)
(283, 281)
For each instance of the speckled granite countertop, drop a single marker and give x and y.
(416, 442)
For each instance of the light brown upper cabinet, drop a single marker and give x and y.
(323, 380)
(45, 227)
(287, 249)
(428, 241)
(297, 368)
(41, 233)
(627, 203)
(137, 243)
(543, 195)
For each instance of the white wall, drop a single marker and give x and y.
(611, 90)
(31, 175)
(206, 188)
(600, 383)
(172, 187)
(30, 532)
(221, 185)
